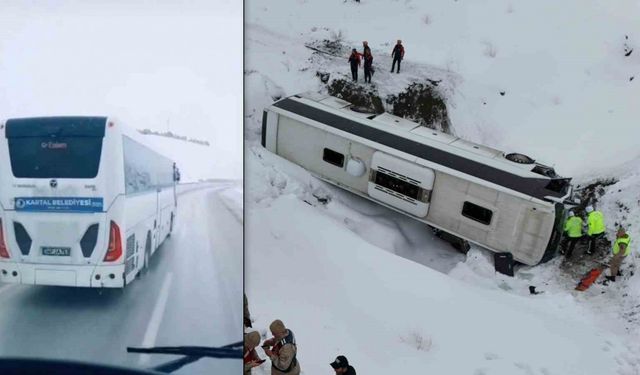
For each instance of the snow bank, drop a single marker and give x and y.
(341, 295)
(232, 198)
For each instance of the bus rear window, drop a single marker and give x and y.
(55, 157)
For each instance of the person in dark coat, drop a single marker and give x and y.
(341, 366)
(398, 55)
(354, 60)
(365, 47)
(368, 65)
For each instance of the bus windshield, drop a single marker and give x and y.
(64, 157)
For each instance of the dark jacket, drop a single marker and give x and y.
(398, 52)
(368, 60)
(350, 371)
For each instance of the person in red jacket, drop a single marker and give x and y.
(354, 60)
(398, 55)
(251, 358)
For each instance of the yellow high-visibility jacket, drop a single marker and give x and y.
(595, 220)
(625, 240)
(573, 227)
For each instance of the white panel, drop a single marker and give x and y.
(334, 102)
(407, 171)
(272, 131)
(476, 148)
(395, 121)
(433, 134)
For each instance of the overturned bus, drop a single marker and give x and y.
(504, 202)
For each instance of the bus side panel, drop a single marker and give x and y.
(510, 217)
(166, 209)
(141, 213)
(306, 146)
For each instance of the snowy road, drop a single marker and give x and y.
(190, 296)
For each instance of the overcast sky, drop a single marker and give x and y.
(165, 65)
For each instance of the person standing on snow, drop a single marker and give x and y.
(251, 358)
(354, 60)
(398, 55)
(282, 349)
(621, 250)
(341, 366)
(365, 48)
(572, 232)
(368, 65)
(595, 221)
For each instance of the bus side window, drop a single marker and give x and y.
(333, 157)
(477, 213)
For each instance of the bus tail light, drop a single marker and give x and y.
(114, 252)
(4, 253)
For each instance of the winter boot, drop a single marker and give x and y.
(611, 278)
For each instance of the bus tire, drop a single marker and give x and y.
(170, 226)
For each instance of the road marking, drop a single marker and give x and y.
(6, 287)
(156, 318)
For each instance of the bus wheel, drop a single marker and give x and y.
(170, 226)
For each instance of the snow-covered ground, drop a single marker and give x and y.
(353, 278)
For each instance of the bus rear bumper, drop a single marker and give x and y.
(56, 275)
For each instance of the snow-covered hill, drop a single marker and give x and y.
(335, 272)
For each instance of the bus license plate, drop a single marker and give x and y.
(56, 251)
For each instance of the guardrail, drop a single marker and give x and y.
(192, 186)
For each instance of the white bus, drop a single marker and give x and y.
(504, 202)
(83, 202)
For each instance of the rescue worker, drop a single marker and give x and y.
(247, 317)
(341, 366)
(572, 232)
(398, 55)
(251, 358)
(596, 228)
(621, 250)
(354, 60)
(368, 65)
(282, 349)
